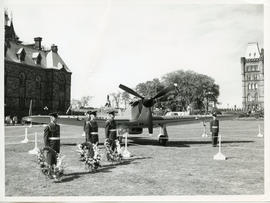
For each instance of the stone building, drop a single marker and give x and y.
(252, 70)
(33, 72)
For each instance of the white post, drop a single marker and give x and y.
(219, 155)
(259, 134)
(25, 136)
(204, 130)
(35, 150)
(126, 153)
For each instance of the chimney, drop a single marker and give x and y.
(54, 48)
(38, 43)
(262, 51)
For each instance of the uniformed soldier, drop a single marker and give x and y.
(214, 129)
(86, 127)
(52, 139)
(110, 130)
(92, 127)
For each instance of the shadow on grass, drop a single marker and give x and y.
(69, 144)
(143, 141)
(106, 168)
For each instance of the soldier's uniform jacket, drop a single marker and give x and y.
(91, 131)
(214, 126)
(110, 129)
(52, 136)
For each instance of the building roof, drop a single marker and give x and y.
(252, 51)
(49, 59)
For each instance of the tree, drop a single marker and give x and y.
(116, 98)
(193, 89)
(150, 88)
(85, 100)
(125, 98)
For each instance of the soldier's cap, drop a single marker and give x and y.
(92, 112)
(54, 114)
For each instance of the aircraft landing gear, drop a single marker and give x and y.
(163, 136)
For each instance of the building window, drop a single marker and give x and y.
(22, 102)
(36, 58)
(256, 97)
(22, 79)
(38, 82)
(256, 86)
(249, 97)
(249, 86)
(254, 54)
(21, 54)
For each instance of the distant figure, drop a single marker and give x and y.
(214, 129)
(15, 120)
(108, 103)
(110, 130)
(52, 139)
(7, 119)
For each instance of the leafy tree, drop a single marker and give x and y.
(85, 100)
(193, 89)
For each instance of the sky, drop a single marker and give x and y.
(108, 42)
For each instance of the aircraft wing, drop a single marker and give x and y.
(178, 120)
(71, 120)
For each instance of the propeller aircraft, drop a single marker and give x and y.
(135, 119)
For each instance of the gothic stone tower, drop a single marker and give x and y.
(252, 70)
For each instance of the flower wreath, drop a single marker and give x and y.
(90, 155)
(113, 155)
(53, 172)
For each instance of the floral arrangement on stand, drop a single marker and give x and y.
(90, 155)
(53, 172)
(113, 155)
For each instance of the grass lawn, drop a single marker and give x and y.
(184, 167)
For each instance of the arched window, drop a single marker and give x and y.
(252, 86)
(249, 86)
(22, 79)
(256, 86)
(38, 82)
(249, 97)
(256, 97)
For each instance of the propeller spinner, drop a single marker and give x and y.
(148, 102)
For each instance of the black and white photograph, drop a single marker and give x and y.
(134, 99)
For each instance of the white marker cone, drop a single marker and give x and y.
(204, 131)
(219, 155)
(259, 134)
(126, 153)
(25, 136)
(35, 150)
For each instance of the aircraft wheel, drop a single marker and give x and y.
(162, 140)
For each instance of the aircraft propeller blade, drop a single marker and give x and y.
(130, 91)
(163, 92)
